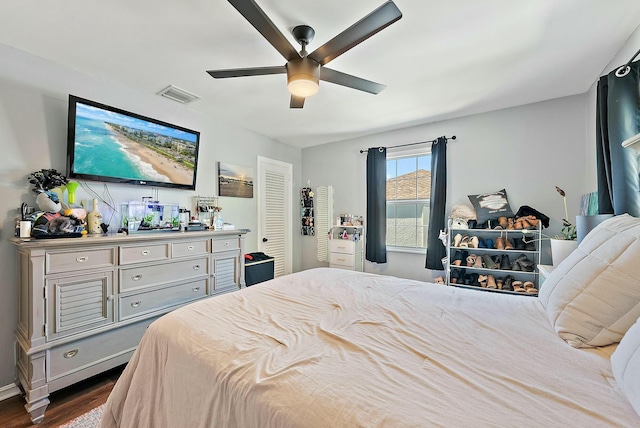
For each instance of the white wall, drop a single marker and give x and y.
(527, 150)
(33, 122)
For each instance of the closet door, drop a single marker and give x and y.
(275, 219)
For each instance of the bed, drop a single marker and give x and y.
(335, 348)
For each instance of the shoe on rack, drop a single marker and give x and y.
(507, 285)
(457, 239)
(488, 263)
(499, 282)
(482, 243)
(471, 259)
(474, 280)
(518, 244)
(464, 242)
(498, 261)
(457, 258)
(510, 224)
(478, 263)
(517, 286)
(454, 276)
(505, 263)
(508, 244)
(473, 242)
(491, 282)
(489, 243)
(524, 263)
(482, 280)
(502, 221)
(529, 287)
(499, 243)
(529, 244)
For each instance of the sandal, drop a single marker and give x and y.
(471, 259)
(530, 287)
(517, 286)
(473, 242)
(438, 280)
(478, 263)
(491, 282)
(499, 282)
(464, 242)
(456, 240)
(482, 280)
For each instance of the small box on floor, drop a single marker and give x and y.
(258, 267)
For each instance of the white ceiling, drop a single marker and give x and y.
(443, 59)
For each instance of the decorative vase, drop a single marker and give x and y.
(94, 219)
(561, 248)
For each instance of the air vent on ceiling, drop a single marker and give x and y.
(178, 95)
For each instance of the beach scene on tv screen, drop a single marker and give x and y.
(120, 146)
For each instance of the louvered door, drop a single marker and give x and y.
(275, 213)
(324, 218)
(78, 303)
(225, 269)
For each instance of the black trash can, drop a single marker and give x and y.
(258, 267)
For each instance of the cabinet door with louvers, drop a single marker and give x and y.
(226, 272)
(78, 303)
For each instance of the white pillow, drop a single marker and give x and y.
(593, 296)
(625, 363)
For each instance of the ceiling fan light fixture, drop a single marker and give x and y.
(303, 77)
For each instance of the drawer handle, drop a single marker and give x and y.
(136, 304)
(70, 354)
(82, 259)
(110, 298)
(226, 244)
(196, 289)
(137, 277)
(341, 260)
(190, 248)
(196, 267)
(145, 252)
(342, 248)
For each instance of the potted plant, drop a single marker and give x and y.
(563, 244)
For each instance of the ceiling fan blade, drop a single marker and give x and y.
(377, 20)
(261, 22)
(344, 79)
(296, 102)
(241, 72)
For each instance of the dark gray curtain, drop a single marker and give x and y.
(435, 250)
(376, 242)
(618, 118)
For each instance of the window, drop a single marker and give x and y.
(408, 194)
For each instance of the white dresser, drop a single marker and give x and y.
(84, 303)
(346, 253)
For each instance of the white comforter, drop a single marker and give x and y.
(334, 348)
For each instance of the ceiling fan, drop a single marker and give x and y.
(304, 71)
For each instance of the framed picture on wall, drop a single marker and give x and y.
(235, 181)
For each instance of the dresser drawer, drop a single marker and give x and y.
(347, 260)
(225, 244)
(137, 277)
(143, 253)
(151, 301)
(74, 356)
(342, 246)
(191, 248)
(86, 259)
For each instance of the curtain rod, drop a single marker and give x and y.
(625, 69)
(412, 144)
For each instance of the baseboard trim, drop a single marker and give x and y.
(9, 391)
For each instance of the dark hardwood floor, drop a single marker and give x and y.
(66, 404)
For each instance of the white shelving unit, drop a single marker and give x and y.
(346, 253)
(533, 235)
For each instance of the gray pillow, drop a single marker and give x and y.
(593, 296)
(490, 206)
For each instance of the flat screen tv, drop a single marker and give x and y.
(109, 144)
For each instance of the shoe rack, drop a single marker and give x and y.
(494, 260)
